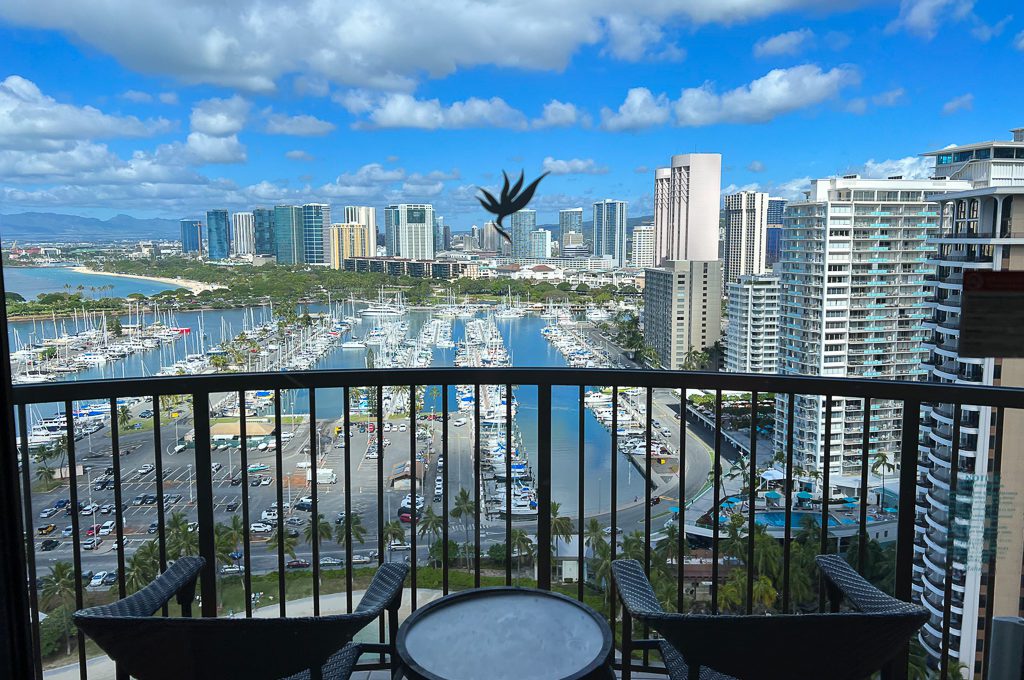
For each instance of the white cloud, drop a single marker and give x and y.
(301, 125)
(137, 96)
(220, 116)
(559, 114)
(778, 92)
(857, 106)
(790, 43)
(382, 44)
(1018, 42)
(168, 98)
(316, 86)
(405, 111)
(923, 17)
(298, 155)
(889, 97)
(911, 167)
(641, 109)
(984, 32)
(574, 166)
(964, 102)
(203, 148)
(755, 166)
(30, 119)
(356, 101)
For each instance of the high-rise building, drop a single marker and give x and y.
(752, 334)
(243, 233)
(682, 309)
(574, 245)
(610, 230)
(772, 246)
(366, 216)
(191, 236)
(288, 233)
(853, 303)
(218, 235)
(409, 230)
(344, 241)
(439, 244)
(569, 219)
(540, 243)
(519, 225)
(687, 196)
(316, 221)
(446, 236)
(980, 231)
(776, 208)
(746, 215)
(263, 226)
(491, 240)
(642, 256)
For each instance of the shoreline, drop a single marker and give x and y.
(195, 287)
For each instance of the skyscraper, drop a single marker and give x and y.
(519, 225)
(573, 245)
(492, 241)
(288, 234)
(218, 234)
(439, 233)
(746, 219)
(316, 220)
(191, 237)
(345, 241)
(540, 243)
(642, 256)
(243, 233)
(682, 309)
(610, 230)
(752, 336)
(263, 226)
(776, 207)
(569, 219)
(686, 199)
(409, 230)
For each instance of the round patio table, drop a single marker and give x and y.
(505, 634)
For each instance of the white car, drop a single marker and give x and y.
(90, 509)
(402, 428)
(48, 513)
(269, 515)
(266, 481)
(228, 569)
(97, 579)
(260, 528)
(459, 422)
(145, 469)
(399, 546)
(360, 559)
(407, 501)
(107, 527)
(329, 561)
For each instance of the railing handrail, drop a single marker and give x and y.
(1005, 397)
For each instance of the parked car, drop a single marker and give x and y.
(92, 543)
(216, 467)
(67, 532)
(110, 579)
(47, 529)
(49, 544)
(295, 522)
(107, 508)
(229, 569)
(260, 528)
(48, 513)
(146, 469)
(257, 467)
(61, 503)
(269, 515)
(107, 527)
(329, 561)
(232, 506)
(149, 499)
(97, 579)
(399, 546)
(146, 414)
(139, 500)
(153, 528)
(361, 559)
(305, 506)
(297, 564)
(266, 481)
(93, 530)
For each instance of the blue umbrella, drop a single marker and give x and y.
(804, 495)
(849, 505)
(674, 509)
(728, 504)
(774, 495)
(849, 499)
(889, 509)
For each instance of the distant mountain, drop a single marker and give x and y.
(50, 227)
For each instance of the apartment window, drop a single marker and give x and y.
(861, 195)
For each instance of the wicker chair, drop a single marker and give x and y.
(154, 647)
(839, 645)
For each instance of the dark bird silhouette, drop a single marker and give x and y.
(511, 200)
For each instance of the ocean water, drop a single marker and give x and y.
(31, 281)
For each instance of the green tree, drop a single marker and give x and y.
(114, 326)
(430, 526)
(355, 521)
(521, 544)
(124, 418)
(58, 593)
(561, 527)
(594, 534)
(181, 541)
(323, 534)
(880, 466)
(464, 510)
(142, 567)
(284, 538)
(393, 532)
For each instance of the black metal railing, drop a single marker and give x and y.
(732, 549)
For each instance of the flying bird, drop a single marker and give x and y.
(511, 200)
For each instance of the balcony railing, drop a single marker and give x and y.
(361, 479)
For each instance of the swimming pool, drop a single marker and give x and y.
(777, 518)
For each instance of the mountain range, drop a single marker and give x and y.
(58, 227)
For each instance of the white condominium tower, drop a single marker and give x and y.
(752, 335)
(366, 216)
(854, 303)
(610, 230)
(982, 231)
(642, 255)
(682, 309)
(746, 226)
(243, 233)
(540, 243)
(409, 231)
(687, 195)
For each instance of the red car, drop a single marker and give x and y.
(93, 530)
(297, 564)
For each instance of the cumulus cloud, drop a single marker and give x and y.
(778, 92)
(405, 111)
(964, 102)
(298, 155)
(203, 148)
(137, 96)
(755, 166)
(923, 17)
(1018, 41)
(889, 97)
(790, 43)
(911, 167)
(985, 32)
(641, 109)
(634, 38)
(300, 126)
(574, 166)
(30, 119)
(559, 114)
(220, 117)
(168, 98)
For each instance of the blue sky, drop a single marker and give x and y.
(168, 109)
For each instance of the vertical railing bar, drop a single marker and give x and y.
(158, 470)
(412, 490)
(315, 505)
(581, 492)
(508, 485)
(204, 501)
(544, 487)
(648, 488)
(444, 489)
(279, 440)
(30, 552)
(825, 496)
(115, 451)
(947, 586)
(76, 539)
(476, 485)
(788, 524)
(613, 495)
(993, 480)
(681, 518)
(716, 509)
(751, 501)
(380, 498)
(346, 425)
(862, 552)
(906, 517)
(243, 456)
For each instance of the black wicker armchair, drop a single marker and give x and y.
(848, 645)
(151, 647)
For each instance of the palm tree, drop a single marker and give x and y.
(286, 539)
(181, 541)
(668, 548)
(44, 475)
(465, 510)
(594, 534)
(430, 526)
(521, 544)
(879, 466)
(764, 592)
(393, 532)
(561, 527)
(695, 360)
(124, 418)
(143, 567)
(355, 521)
(633, 546)
(323, 530)
(59, 594)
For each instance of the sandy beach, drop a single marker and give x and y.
(194, 286)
